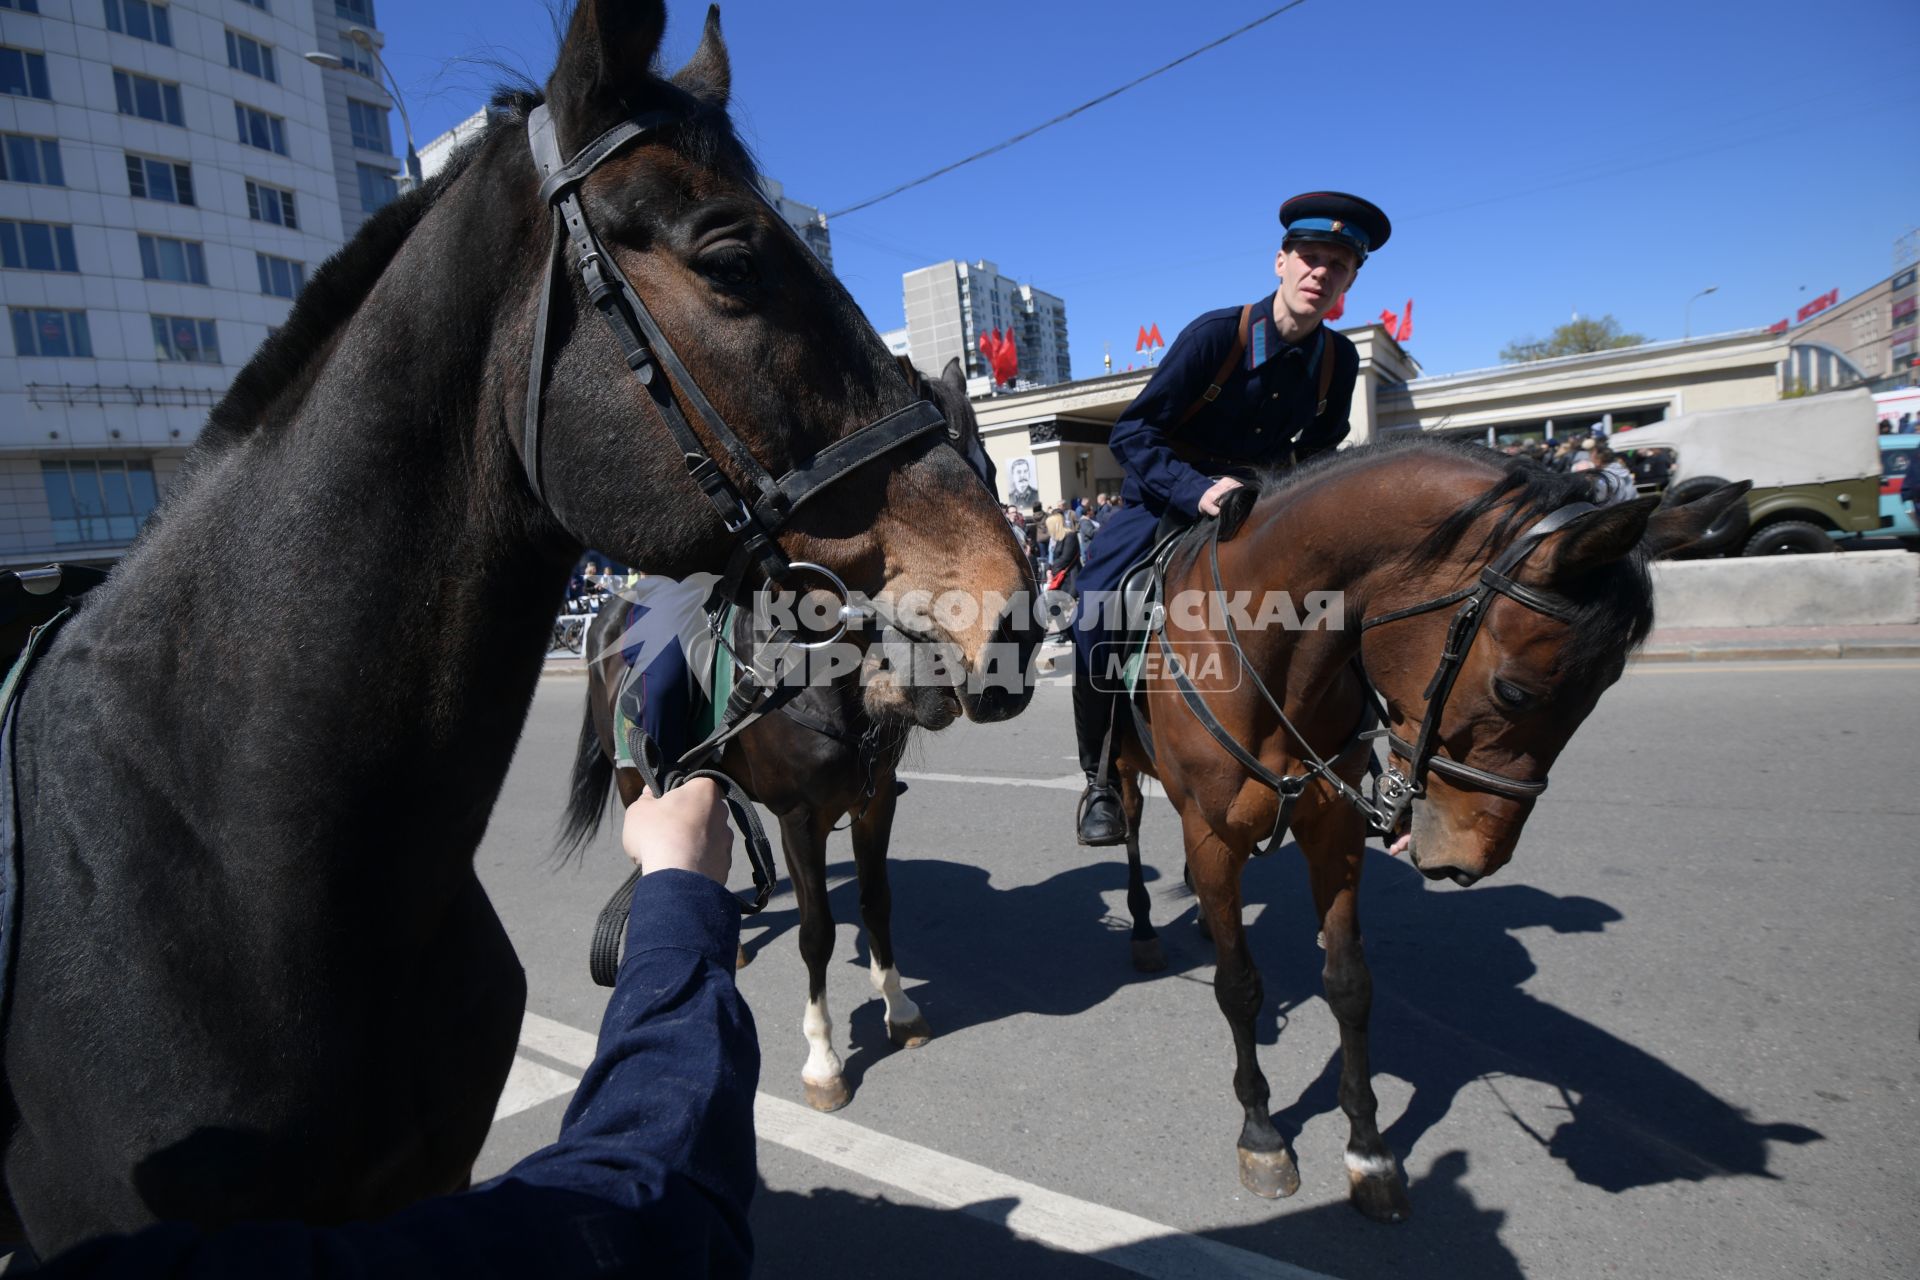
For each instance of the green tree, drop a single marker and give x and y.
(1576, 337)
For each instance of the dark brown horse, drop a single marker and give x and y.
(256, 976)
(828, 755)
(1432, 547)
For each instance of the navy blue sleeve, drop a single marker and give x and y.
(1141, 438)
(651, 1174)
(1910, 487)
(1330, 428)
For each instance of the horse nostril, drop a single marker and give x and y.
(1465, 879)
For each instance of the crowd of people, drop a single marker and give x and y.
(1618, 481)
(1058, 541)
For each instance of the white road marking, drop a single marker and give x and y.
(529, 1084)
(1125, 1240)
(1707, 667)
(1046, 1217)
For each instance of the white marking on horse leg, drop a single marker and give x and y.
(900, 1010)
(823, 1064)
(1368, 1166)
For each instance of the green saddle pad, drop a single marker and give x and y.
(709, 698)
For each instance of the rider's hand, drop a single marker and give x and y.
(1210, 500)
(686, 828)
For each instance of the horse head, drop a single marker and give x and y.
(1559, 612)
(764, 332)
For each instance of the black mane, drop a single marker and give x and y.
(1612, 606)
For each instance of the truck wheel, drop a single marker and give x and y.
(1788, 538)
(1724, 534)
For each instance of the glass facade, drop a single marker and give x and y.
(98, 501)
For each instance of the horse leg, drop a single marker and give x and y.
(872, 832)
(1333, 842)
(1266, 1166)
(803, 837)
(1148, 957)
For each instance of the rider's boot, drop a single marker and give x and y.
(1100, 820)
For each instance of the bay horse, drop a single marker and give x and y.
(255, 974)
(1487, 604)
(827, 756)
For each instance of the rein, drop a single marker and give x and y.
(1394, 791)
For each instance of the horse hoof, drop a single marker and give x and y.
(1382, 1198)
(741, 959)
(829, 1096)
(1148, 956)
(909, 1035)
(1271, 1175)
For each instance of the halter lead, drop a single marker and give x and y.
(652, 360)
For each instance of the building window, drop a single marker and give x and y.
(247, 54)
(140, 20)
(361, 11)
(356, 58)
(271, 204)
(258, 129)
(369, 125)
(377, 188)
(148, 99)
(163, 258)
(24, 6)
(280, 277)
(261, 5)
(23, 74)
(37, 246)
(159, 180)
(98, 501)
(35, 160)
(50, 333)
(182, 338)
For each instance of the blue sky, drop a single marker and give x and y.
(1536, 159)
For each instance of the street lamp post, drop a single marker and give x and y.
(334, 62)
(1687, 330)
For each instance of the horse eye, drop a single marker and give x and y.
(1511, 695)
(731, 268)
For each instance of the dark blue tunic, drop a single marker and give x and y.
(651, 1174)
(1265, 413)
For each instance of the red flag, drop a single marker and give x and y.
(1339, 308)
(1390, 320)
(1006, 361)
(1406, 324)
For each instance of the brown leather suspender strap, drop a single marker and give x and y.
(1327, 360)
(1212, 392)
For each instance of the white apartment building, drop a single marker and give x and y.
(950, 304)
(170, 176)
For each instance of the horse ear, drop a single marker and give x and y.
(604, 64)
(1597, 538)
(1679, 527)
(955, 377)
(708, 75)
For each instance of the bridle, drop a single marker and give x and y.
(1394, 791)
(660, 371)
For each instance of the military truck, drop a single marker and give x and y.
(1814, 462)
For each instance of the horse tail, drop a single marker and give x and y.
(587, 797)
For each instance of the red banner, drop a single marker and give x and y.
(1778, 326)
(1819, 304)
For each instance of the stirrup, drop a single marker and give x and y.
(1100, 839)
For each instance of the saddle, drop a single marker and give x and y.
(721, 698)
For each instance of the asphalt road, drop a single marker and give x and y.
(1675, 1037)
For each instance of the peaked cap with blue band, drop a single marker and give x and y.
(1336, 217)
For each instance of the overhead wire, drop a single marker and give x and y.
(998, 147)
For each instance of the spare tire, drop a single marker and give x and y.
(1725, 534)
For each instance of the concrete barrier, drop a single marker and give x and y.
(1852, 588)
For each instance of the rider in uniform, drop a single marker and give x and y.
(1239, 388)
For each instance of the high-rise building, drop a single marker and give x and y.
(170, 175)
(807, 222)
(950, 304)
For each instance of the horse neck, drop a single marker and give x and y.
(368, 575)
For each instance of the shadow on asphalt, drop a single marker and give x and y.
(1449, 1006)
(803, 1235)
